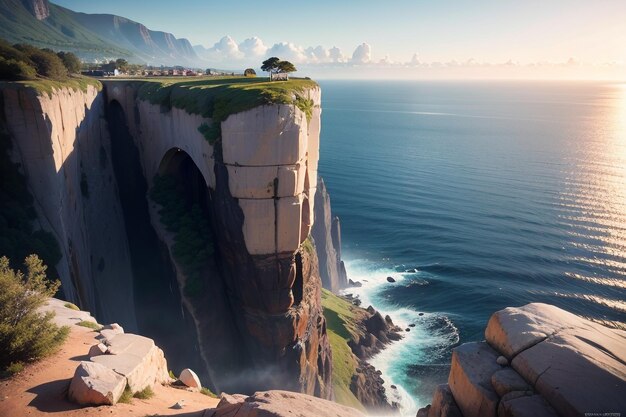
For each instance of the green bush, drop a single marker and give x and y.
(47, 63)
(14, 70)
(25, 334)
(71, 62)
(127, 396)
(72, 306)
(89, 324)
(208, 392)
(144, 394)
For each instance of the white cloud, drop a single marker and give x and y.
(253, 47)
(289, 52)
(362, 54)
(336, 55)
(225, 49)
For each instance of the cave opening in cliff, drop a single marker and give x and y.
(159, 311)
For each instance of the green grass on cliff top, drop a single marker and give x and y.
(47, 86)
(340, 325)
(219, 97)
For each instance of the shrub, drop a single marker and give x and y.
(249, 72)
(72, 306)
(127, 396)
(89, 324)
(206, 391)
(25, 334)
(13, 70)
(144, 394)
(45, 61)
(71, 62)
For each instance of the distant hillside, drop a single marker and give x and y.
(90, 36)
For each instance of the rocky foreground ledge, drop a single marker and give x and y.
(537, 360)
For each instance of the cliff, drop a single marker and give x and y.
(326, 233)
(62, 145)
(91, 159)
(537, 360)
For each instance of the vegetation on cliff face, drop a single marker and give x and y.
(193, 241)
(25, 334)
(341, 326)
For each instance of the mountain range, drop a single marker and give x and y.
(91, 36)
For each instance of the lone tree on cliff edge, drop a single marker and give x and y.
(274, 65)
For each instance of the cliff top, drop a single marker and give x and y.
(48, 86)
(219, 97)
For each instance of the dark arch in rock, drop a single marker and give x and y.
(157, 302)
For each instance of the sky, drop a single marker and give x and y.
(530, 32)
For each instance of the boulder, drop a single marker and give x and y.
(137, 358)
(113, 326)
(443, 403)
(525, 406)
(95, 384)
(502, 361)
(282, 404)
(473, 364)
(189, 378)
(97, 350)
(507, 380)
(390, 279)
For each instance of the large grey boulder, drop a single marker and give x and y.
(95, 384)
(280, 404)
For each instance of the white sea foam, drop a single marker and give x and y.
(421, 340)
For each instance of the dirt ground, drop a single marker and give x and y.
(40, 389)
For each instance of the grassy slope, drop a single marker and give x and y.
(60, 31)
(218, 97)
(340, 323)
(46, 86)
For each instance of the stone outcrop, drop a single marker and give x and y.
(62, 145)
(137, 358)
(189, 378)
(326, 233)
(39, 8)
(95, 384)
(279, 404)
(560, 365)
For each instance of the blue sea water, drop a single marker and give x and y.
(475, 196)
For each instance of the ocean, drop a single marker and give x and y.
(475, 196)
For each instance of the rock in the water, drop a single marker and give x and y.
(412, 325)
(390, 279)
(95, 384)
(473, 364)
(407, 330)
(283, 404)
(189, 378)
(420, 314)
(502, 361)
(354, 283)
(96, 350)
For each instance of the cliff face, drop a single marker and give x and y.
(62, 144)
(257, 191)
(326, 232)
